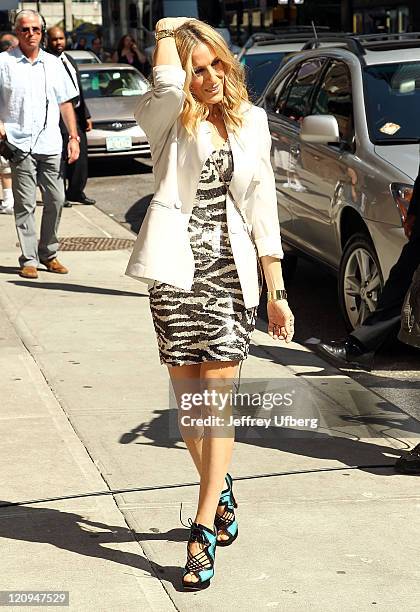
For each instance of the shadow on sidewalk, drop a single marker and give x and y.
(76, 534)
(290, 357)
(350, 450)
(9, 269)
(71, 287)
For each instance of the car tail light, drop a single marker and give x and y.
(402, 196)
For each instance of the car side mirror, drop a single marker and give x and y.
(319, 129)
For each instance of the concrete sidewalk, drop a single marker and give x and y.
(84, 410)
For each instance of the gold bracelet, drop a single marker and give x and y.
(164, 34)
(277, 294)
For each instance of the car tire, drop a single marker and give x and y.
(360, 280)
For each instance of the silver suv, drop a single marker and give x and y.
(262, 56)
(345, 125)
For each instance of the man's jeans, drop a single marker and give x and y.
(47, 172)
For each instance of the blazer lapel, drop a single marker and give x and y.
(244, 161)
(205, 146)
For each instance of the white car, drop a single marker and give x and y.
(111, 93)
(83, 57)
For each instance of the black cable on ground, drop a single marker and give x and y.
(190, 484)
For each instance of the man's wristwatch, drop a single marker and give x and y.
(71, 137)
(164, 33)
(277, 294)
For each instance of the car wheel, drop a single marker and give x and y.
(360, 280)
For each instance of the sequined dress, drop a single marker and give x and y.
(209, 322)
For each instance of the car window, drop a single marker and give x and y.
(112, 83)
(85, 60)
(278, 91)
(335, 98)
(392, 99)
(295, 104)
(259, 68)
(283, 93)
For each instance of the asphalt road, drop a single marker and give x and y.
(123, 189)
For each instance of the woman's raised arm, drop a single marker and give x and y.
(165, 53)
(159, 108)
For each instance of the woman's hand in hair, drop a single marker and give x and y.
(171, 23)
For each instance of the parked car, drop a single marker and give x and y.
(263, 59)
(264, 52)
(83, 57)
(345, 128)
(276, 34)
(111, 93)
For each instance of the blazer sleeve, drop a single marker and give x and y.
(159, 108)
(265, 220)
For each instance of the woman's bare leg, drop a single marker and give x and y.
(186, 380)
(213, 452)
(217, 444)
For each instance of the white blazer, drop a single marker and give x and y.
(162, 250)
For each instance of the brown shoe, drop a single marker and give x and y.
(53, 265)
(28, 272)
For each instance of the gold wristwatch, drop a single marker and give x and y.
(164, 34)
(277, 294)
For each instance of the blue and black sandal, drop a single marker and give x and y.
(227, 522)
(200, 565)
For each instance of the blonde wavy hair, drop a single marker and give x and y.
(187, 37)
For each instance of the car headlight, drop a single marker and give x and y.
(402, 194)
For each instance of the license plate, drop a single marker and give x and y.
(118, 143)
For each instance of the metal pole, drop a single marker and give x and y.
(68, 15)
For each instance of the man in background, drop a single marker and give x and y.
(99, 51)
(8, 41)
(34, 90)
(77, 172)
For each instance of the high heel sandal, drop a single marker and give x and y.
(200, 565)
(227, 522)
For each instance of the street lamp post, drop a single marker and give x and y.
(68, 15)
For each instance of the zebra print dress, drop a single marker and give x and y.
(209, 322)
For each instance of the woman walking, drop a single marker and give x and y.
(210, 227)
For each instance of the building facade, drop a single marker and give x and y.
(376, 16)
(54, 12)
(138, 17)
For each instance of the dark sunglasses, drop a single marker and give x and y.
(34, 30)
